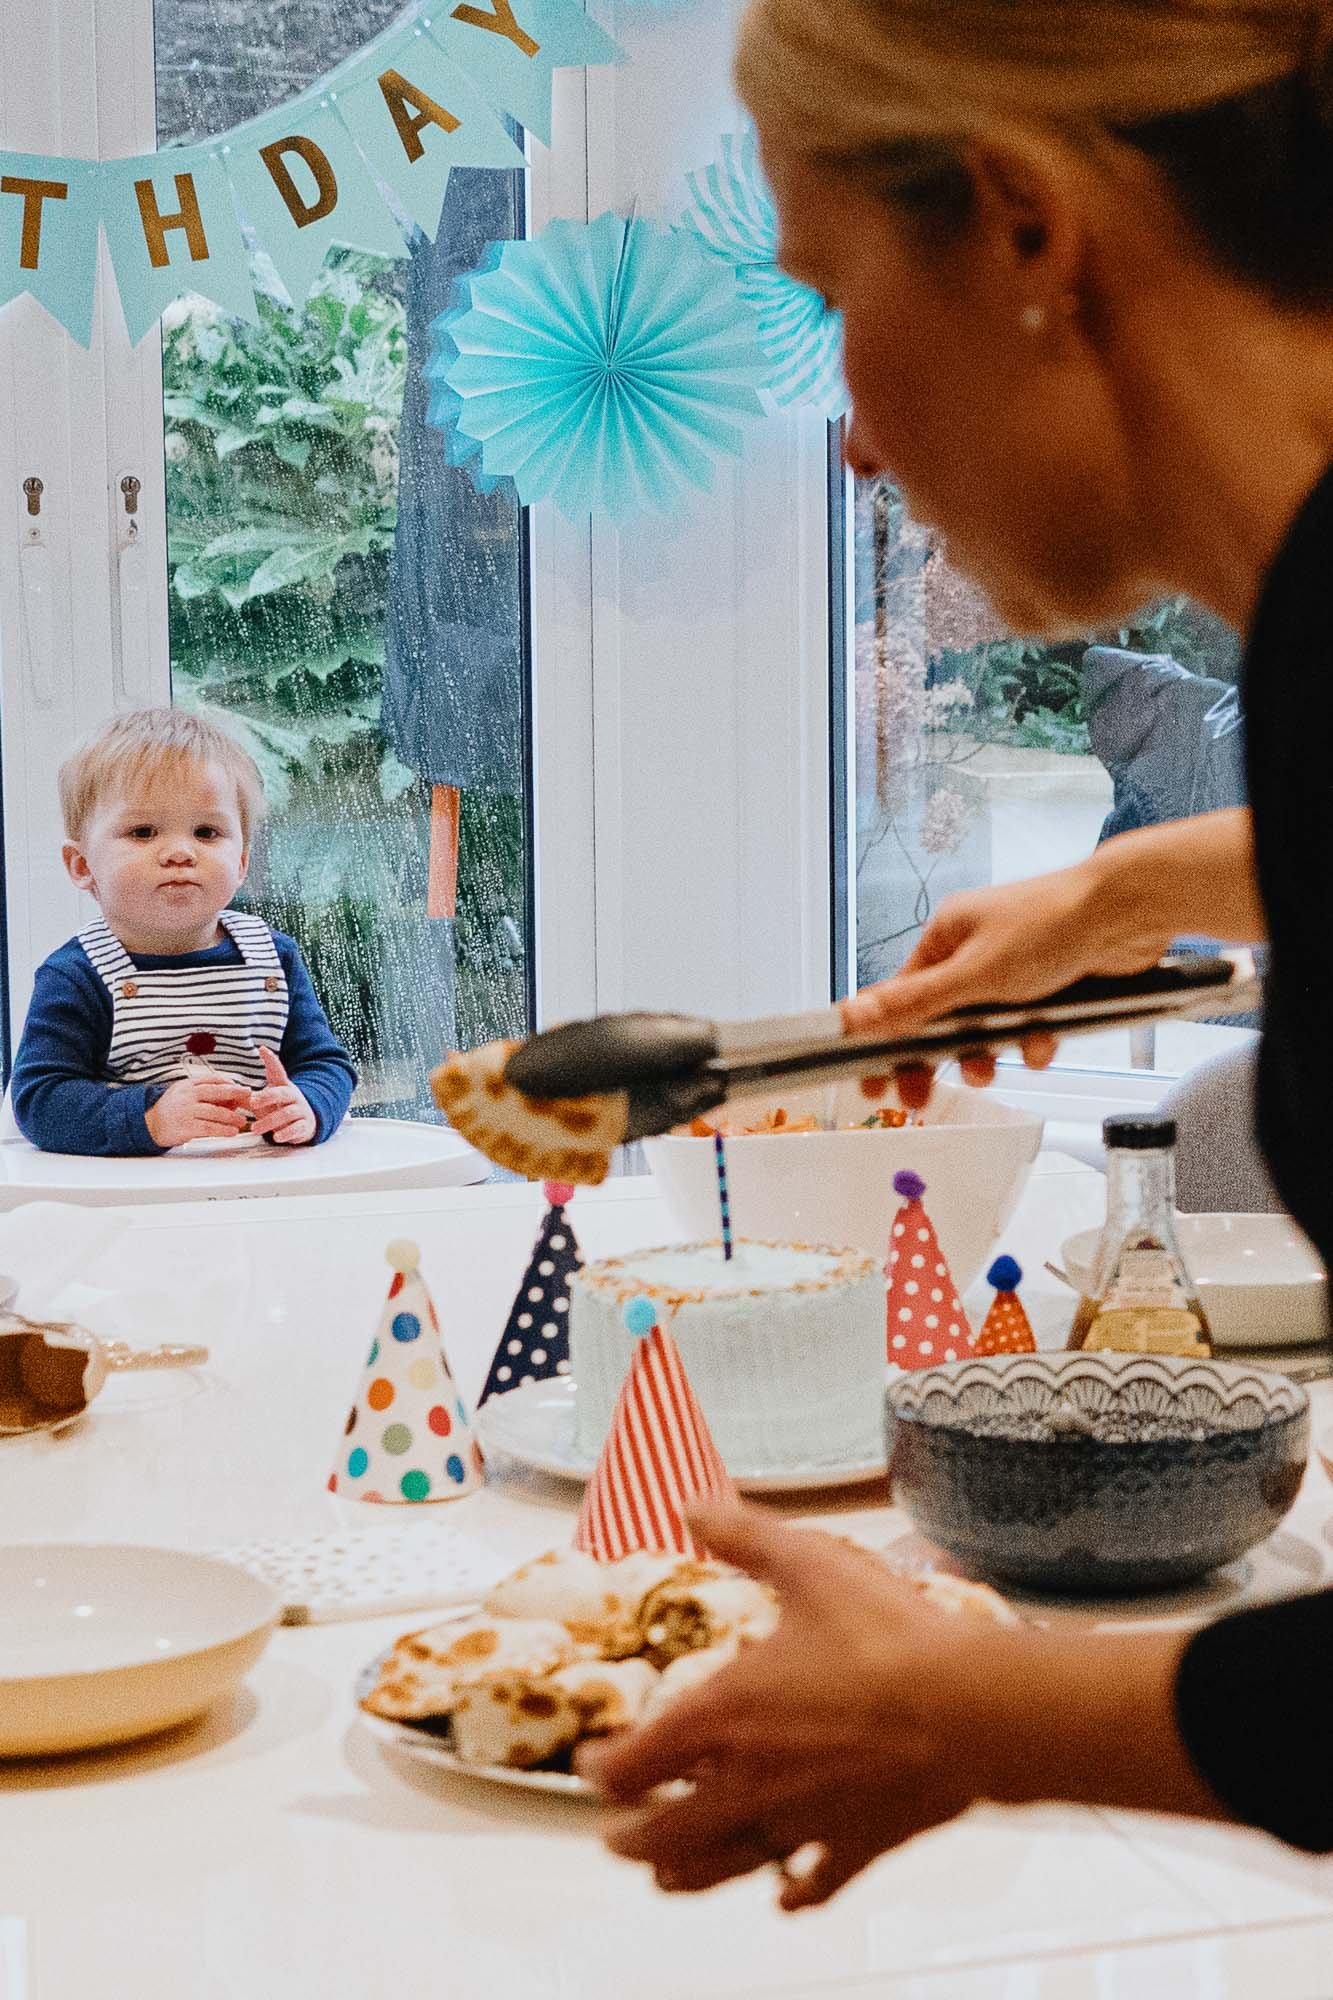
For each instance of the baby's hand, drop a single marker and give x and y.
(280, 1111)
(199, 1107)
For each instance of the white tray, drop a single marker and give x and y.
(367, 1153)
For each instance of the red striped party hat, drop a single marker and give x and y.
(659, 1455)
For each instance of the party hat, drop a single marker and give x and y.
(658, 1456)
(1005, 1329)
(535, 1342)
(926, 1323)
(409, 1436)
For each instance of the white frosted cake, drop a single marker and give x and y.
(784, 1346)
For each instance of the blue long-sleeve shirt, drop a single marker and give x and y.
(61, 1098)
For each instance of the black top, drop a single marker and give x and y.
(1253, 1697)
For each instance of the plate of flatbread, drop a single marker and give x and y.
(567, 1649)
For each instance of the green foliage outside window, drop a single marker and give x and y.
(282, 476)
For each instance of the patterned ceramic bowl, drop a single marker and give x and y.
(1096, 1473)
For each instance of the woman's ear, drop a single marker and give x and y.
(1029, 219)
(76, 866)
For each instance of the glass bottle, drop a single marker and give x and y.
(1142, 1299)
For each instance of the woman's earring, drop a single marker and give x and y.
(1032, 319)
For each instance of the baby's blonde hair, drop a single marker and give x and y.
(142, 747)
(1233, 99)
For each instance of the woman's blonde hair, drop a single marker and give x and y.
(147, 746)
(1233, 99)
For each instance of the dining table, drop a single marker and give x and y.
(276, 1847)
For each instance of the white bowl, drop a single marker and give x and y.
(1260, 1280)
(836, 1187)
(101, 1643)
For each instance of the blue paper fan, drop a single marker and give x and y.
(732, 214)
(445, 404)
(602, 366)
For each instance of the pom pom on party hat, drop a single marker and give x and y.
(408, 1436)
(925, 1322)
(535, 1342)
(659, 1455)
(1005, 1329)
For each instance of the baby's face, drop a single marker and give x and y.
(163, 857)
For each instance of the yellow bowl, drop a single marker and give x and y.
(101, 1643)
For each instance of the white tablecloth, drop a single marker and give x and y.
(274, 1849)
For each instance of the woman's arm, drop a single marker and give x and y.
(1118, 911)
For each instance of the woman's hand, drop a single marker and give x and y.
(1116, 912)
(281, 1113)
(832, 1731)
(869, 1717)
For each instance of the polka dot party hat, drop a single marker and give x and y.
(658, 1456)
(1005, 1329)
(535, 1342)
(925, 1322)
(408, 1437)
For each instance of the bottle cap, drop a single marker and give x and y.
(1140, 1134)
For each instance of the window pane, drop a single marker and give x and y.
(983, 758)
(344, 597)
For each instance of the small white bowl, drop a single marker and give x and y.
(101, 1643)
(836, 1187)
(1260, 1279)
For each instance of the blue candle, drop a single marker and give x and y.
(720, 1157)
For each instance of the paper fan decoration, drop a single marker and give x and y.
(601, 365)
(535, 1343)
(658, 1456)
(733, 215)
(1006, 1328)
(925, 1318)
(408, 1436)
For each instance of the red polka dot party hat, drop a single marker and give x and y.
(925, 1321)
(408, 1436)
(1005, 1329)
(658, 1456)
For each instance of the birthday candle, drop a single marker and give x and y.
(720, 1158)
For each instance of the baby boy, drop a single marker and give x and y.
(171, 1016)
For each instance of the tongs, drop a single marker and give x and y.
(675, 1067)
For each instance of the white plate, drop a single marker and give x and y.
(101, 1642)
(425, 1748)
(535, 1425)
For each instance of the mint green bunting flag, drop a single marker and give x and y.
(303, 185)
(414, 114)
(172, 228)
(48, 236)
(512, 48)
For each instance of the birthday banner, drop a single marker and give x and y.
(379, 133)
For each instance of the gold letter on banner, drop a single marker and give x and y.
(302, 212)
(34, 194)
(398, 94)
(156, 225)
(500, 21)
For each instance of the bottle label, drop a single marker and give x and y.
(1129, 1328)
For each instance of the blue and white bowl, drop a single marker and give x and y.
(1095, 1474)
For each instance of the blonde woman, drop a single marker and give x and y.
(1084, 254)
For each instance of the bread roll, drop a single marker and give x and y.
(519, 1721)
(426, 1672)
(597, 1603)
(685, 1615)
(688, 1671)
